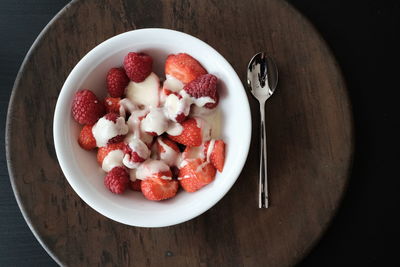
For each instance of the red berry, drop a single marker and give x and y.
(168, 142)
(112, 104)
(113, 117)
(204, 86)
(86, 139)
(167, 92)
(117, 81)
(159, 189)
(183, 67)
(133, 155)
(180, 118)
(103, 151)
(117, 180)
(217, 156)
(196, 174)
(135, 186)
(86, 108)
(191, 134)
(138, 66)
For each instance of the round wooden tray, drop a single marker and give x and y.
(310, 140)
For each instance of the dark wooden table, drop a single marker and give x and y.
(362, 34)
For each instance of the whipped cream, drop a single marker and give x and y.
(200, 102)
(155, 121)
(169, 156)
(105, 129)
(134, 122)
(132, 175)
(145, 93)
(113, 159)
(174, 129)
(150, 168)
(174, 106)
(140, 148)
(205, 129)
(173, 84)
(210, 149)
(126, 106)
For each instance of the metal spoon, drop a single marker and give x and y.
(262, 78)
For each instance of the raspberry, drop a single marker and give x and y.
(117, 180)
(86, 108)
(204, 86)
(117, 81)
(86, 139)
(135, 186)
(138, 66)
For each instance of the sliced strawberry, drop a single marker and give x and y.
(191, 134)
(169, 143)
(136, 185)
(112, 104)
(86, 139)
(159, 189)
(167, 92)
(217, 155)
(103, 151)
(193, 152)
(196, 174)
(183, 67)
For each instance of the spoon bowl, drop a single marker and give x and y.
(262, 76)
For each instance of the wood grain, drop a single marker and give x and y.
(310, 140)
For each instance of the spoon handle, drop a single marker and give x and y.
(263, 183)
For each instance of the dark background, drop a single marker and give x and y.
(364, 36)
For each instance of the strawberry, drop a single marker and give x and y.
(183, 67)
(196, 174)
(138, 66)
(135, 153)
(193, 152)
(159, 189)
(86, 139)
(217, 155)
(118, 138)
(168, 142)
(167, 92)
(117, 180)
(191, 134)
(86, 108)
(112, 104)
(117, 81)
(103, 151)
(136, 185)
(204, 86)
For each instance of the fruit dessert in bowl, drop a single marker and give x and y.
(152, 127)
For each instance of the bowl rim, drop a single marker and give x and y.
(60, 144)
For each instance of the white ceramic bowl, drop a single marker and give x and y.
(81, 168)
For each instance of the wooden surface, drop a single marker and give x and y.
(309, 140)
